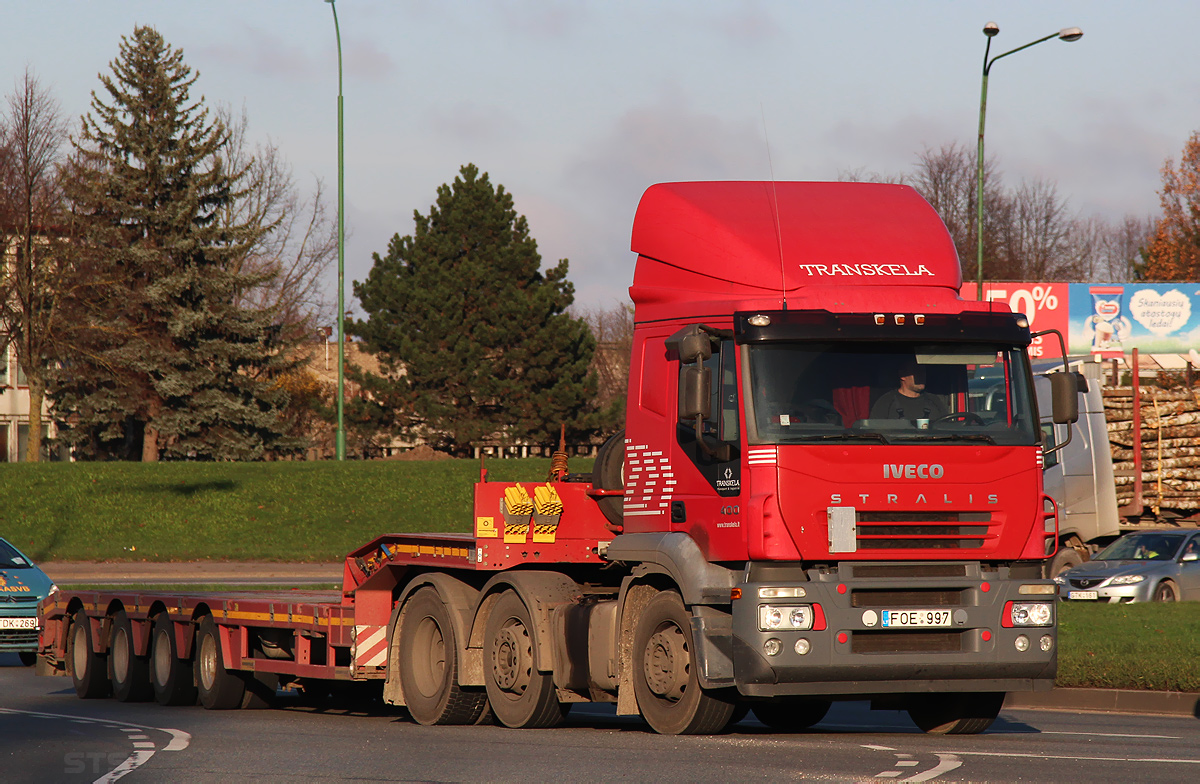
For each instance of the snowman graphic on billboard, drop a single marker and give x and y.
(1107, 323)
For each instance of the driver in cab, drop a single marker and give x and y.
(910, 401)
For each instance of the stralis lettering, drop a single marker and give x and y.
(922, 498)
(913, 471)
(861, 270)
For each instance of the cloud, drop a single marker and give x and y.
(472, 122)
(747, 25)
(264, 53)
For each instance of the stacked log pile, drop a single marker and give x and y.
(1170, 424)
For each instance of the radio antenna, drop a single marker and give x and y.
(775, 207)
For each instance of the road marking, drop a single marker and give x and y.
(1111, 735)
(1075, 758)
(946, 763)
(877, 748)
(179, 740)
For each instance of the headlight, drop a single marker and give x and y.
(773, 617)
(1032, 614)
(1127, 579)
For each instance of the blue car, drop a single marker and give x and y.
(22, 586)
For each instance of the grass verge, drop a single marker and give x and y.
(1132, 646)
(283, 511)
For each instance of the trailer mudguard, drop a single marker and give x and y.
(541, 592)
(460, 600)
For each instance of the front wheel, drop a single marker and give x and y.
(520, 695)
(1166, 592)
(665, 682)
(955, 714)
(28, 658)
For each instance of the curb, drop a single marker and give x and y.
(1170, 703)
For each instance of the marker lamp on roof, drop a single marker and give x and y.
(759, 320)
(880, 319)
(1022, 322)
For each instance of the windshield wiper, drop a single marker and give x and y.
(845, 436)
(955, 437)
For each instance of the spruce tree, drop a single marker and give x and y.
(474, 340)
(165, 358)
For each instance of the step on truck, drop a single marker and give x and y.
(829, 487)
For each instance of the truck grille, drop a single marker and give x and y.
(18, 637)
(923, 530)
(901, 598)
(906, 642)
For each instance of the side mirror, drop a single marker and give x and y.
(1190, 557)
(695, 392)
(1064, 394)
(692, 343)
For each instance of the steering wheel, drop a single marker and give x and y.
(966, 417)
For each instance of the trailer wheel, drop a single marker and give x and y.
(429, 665)
(130, 674)
(219, 688)
(1166, 592)
(791, 715)
(955, 714)
(171, 677)
(520, 695)
(665, 683)
(88, 669)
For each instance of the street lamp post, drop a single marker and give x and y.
(990, 30)
(340, 444)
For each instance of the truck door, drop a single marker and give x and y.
(708, 499)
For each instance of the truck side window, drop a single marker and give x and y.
(722, 421)
(1049, 441)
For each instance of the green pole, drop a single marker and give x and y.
(341, 277)
(990, 30)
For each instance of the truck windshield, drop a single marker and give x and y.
(848, 392)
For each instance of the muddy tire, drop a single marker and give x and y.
(956, 714)
(171, 677)
(521, 696)
(665, 682)
(429, 665)
(88, 669)
(129, 673)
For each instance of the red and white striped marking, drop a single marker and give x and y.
(762, 455)
(370, 646)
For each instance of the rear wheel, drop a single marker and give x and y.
(665, 683)
(88, 669)
(956, 714)
(130, 674)
(171, 677)
(1166, 591)
(428, 657)
(520, 695)
(219, 688)
(791, 715)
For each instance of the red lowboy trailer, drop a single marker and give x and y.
(777, 527)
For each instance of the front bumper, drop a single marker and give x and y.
(1110, 594)
(18, 639)
(851, 653)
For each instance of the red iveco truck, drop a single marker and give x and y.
(765, 534)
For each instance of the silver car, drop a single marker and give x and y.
(1148, 566)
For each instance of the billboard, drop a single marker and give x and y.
(1104, 319)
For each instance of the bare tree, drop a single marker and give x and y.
(1036, 239)
(613, 330)
(302, 243)
(32, 132)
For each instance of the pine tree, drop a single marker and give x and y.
(473, 338)
(1174, 250)
(165, 357)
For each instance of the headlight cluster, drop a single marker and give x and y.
(1031, 614)
(1127, 579)
(775, 618)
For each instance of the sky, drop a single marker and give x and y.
(578, 106)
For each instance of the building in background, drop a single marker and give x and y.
(14, 412)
